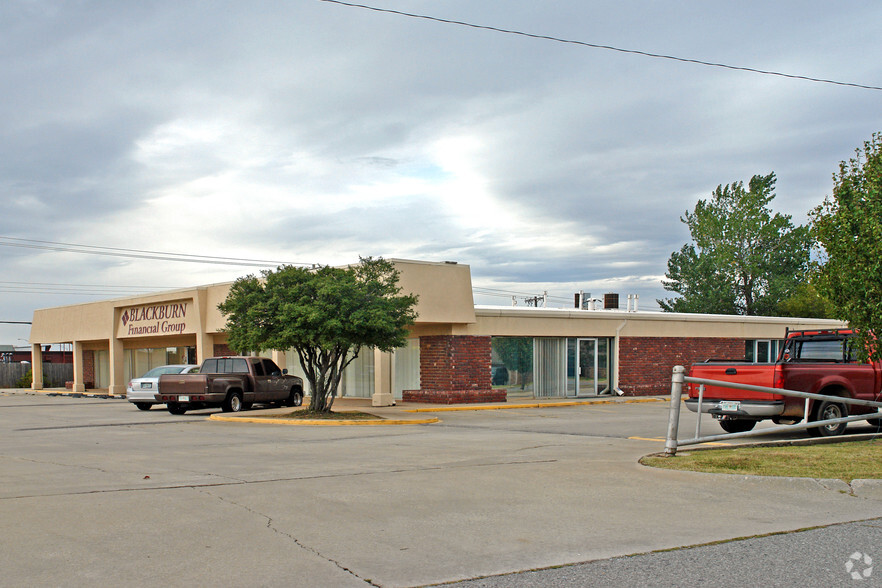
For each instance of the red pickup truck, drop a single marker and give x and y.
(819, 362)
(232, 383)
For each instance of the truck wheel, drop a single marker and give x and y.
(143, 405)
(737, 425)
(233, 403)
(829, 410)
(176, 408)
(875, 423)
(295, 398)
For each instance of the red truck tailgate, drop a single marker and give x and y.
(754, 374)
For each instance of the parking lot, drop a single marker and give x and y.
(95, 491)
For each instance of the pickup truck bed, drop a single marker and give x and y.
(820, 362)
(231, 383)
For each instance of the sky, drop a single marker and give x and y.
(309, 132)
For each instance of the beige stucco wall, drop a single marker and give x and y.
(524, 322)
(445, 307)
(444, 290)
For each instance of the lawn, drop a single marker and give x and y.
(845, 461)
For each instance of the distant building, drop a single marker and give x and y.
(17, 354)
(457, 352)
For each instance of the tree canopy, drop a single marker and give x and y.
(326, 315)
(744, 259)
(848, 228)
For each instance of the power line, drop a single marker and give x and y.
(599, 46)
(139, 253)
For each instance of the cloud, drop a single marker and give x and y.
(310, 132)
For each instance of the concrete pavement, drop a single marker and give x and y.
(96, 491)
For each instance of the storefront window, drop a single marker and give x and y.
(549, 367)
(761, 350)
(358, 378)
(138, 362)
(102, 369)
(407, 368)
(511, 366)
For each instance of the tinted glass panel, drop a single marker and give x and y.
(820, 349)
(239, 366)
(270, 368)
(210, 366)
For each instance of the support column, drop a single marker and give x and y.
(279, 358)
(78, 385)
(383, 365)
(37, 366)
(117, 385)
(204, 346)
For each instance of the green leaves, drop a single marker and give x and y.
(848, 229)
(326, 315)
(744, 259)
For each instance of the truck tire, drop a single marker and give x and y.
(295, 398)
(233, 402)
(737, 425)
(829, 410)
(176, 408)
(144, 405)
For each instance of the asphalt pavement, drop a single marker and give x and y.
(95, 491)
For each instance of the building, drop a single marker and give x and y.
(457, 352)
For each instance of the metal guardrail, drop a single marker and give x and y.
(679, 378)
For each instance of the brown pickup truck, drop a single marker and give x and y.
(232, 383)
(819, 362)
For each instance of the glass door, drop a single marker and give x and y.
(586, 382)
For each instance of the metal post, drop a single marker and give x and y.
(674, 415)
(698, 420)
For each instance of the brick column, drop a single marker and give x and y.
(454, 370)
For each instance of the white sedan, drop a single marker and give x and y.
(140, 391)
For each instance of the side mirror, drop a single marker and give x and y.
(285, 372)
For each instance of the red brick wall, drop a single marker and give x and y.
(223, 350)
(89, 369)
(454, 370)
(646, 363)
(454, 363)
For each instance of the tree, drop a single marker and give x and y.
(848, 226)
(743, 260)
(807, 302)
(326, 315)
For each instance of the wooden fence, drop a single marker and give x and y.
(54, 374)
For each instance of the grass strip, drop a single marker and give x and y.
(844, 461)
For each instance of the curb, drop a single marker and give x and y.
(31, 392)
(535, 405)
(321, 422)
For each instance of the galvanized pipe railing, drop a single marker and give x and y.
(679, 378)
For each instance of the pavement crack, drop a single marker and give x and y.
(271, 526)
(55, 463)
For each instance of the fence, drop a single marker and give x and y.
(54, 374)
(679, 378)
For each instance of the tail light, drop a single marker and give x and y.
(778, 376)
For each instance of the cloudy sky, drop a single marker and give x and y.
(310, 132)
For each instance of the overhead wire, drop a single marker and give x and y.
(605, 47)
(140, 253)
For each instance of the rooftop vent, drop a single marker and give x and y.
(610, 301)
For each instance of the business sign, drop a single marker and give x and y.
(169, 318)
